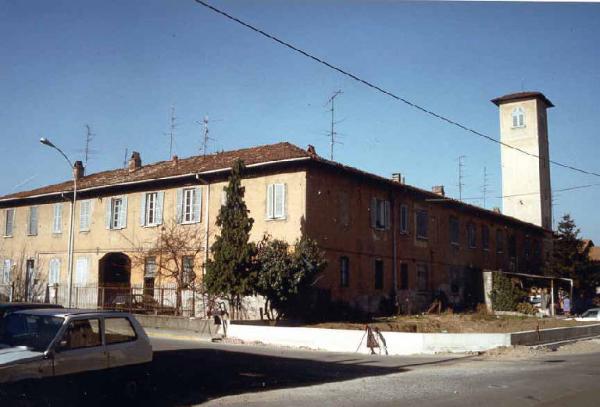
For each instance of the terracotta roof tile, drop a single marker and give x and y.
(164, 169)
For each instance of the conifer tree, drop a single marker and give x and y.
(569, 258)
(230, 271)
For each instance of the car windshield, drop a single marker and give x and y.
(590, 314)
(33, 331)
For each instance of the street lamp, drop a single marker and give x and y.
(48, 143)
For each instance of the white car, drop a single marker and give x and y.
(593, 314)
(71, 344)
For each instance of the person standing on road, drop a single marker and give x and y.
(544, 303)
(567, 305)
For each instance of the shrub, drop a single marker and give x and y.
(505, 295)
(526, 308)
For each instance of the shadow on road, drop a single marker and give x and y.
(183, 377)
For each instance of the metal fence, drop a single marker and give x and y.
(158, 300)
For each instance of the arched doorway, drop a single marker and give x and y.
(114, 278)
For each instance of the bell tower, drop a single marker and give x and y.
(525, 179)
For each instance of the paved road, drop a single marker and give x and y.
(551, 379)
(191, 372)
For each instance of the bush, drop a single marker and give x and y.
(505, 295)
(526, 308)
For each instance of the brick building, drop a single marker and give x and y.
(380, 236)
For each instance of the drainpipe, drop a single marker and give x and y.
(206, 226)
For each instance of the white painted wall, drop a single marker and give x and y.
(344, 340)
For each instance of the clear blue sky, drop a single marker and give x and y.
(120, 66)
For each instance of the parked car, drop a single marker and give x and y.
(39, 346)
(142, 304)
(593, 314)
(8, 307)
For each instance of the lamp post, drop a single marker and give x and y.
(48, 143)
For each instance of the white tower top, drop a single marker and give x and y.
(525, 179)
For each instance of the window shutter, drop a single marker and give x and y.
(270, 205)
(33, 218)
(279, 195)
(386, 213)
(197, 205)
(160, 199)
(143, 210)
(373, 212)
(284, 200)
(179, 206)
(123, 213)
(107, 212)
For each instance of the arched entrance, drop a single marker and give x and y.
(114, 278)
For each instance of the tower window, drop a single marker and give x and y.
(518, 117)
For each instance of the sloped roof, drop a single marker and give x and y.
(594, 254)
(168, 169)
(520, 96)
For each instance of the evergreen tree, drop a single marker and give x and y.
(230, 271)
(569, 258)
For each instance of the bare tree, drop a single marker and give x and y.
(27, 281)
(176, 251)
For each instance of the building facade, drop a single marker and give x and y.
(383, 239)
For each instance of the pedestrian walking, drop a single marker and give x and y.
(372, 342)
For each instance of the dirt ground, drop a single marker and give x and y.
(455, 323)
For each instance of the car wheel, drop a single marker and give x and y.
(131, 389)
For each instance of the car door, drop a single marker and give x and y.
(123, 344)
(80, 349)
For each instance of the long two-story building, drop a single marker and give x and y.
(381, 237)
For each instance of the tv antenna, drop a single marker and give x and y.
(332, 133)
(171, 133)
(461, 184)
(205, 135)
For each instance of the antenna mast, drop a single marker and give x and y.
(171, 134)
(485, 185)
(460, 176)
(125, 159)
(332, 134)
(88, 139)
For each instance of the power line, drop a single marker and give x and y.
(536, 193)
(389, 93)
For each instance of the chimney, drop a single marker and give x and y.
(78, 170)
(397, 177)
(175, 160)
(135, 162)
(311, 151)
(438, 189)
(496, 209)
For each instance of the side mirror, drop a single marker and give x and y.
(49, 354)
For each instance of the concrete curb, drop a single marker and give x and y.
(558, 344)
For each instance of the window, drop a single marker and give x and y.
(81, 271)
(57, 219)
(276, 201)
(526, 248)
(82, 333)
(32, 224)
(378, 274)
(499, 241)
(117, 330)
(380, 214)
(344, 271)
(485, 237)
(54, 272)
(116, 213)
(6, 267)
(189, 202)
(85, 213)
(422, 224)
(512, 246)
(188, 275)
(152, 208)
(403, 219)
(10, 221)
(422, 277)
(471, 235)
(518, 117)
(150, 267)
(454, 230)
(344, 209)
(224, 196)
(403, 281)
